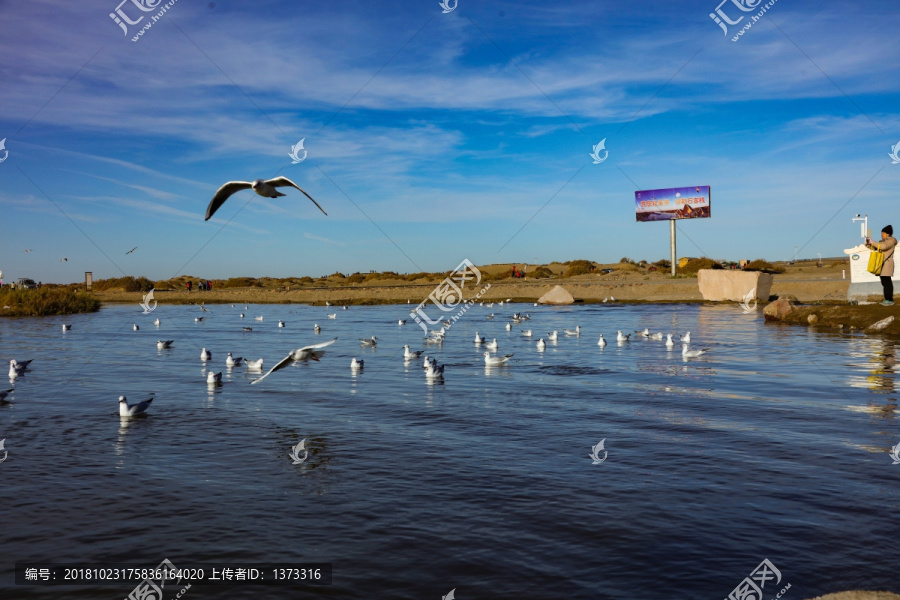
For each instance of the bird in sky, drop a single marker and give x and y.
(132, 250)
(266, 189)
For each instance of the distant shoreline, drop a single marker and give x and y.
(588, 289)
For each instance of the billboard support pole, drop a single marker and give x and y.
(672, 244)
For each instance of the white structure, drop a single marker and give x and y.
(863, 283)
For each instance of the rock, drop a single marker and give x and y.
(880, 325)
(812, 319)
(558, 295)
(778, 310)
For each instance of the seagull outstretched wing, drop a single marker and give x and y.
(224, 193)
(305, 352)
(285, 182)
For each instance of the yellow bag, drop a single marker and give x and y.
(876, 262)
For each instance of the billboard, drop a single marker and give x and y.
(672, 203)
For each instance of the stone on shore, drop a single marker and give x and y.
(880, 325)
(558, 295)
(778, 310)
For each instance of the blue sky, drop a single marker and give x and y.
(435, 137)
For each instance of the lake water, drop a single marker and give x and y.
(774, 445)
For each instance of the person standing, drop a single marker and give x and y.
(886, 245)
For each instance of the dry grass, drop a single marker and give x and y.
(46, 302)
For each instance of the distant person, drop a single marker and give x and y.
(189, 286)
(886, 245)
(209, 286)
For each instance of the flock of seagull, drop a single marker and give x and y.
(432, 370)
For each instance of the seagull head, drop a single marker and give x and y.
(121, 399)
(258, 183)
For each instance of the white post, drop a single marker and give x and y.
(672, 244)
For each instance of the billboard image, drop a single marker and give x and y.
(672, 203)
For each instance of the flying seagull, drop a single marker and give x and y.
(300, 354)
(266, 189)
(132, 250)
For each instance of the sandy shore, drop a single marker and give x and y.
(637, 287)
(856, 595)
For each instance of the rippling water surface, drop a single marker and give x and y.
(773, 445)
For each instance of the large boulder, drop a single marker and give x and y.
(737, 286)
(778, 310)
(880, 325)
(558, 295)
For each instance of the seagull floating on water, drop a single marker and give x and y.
(162, 345)
(576, 332)
(214, 378)
(526, 333)
(356, 364)
(509, 326)
(407, 353)
(541, 345)
(254, 365)
(66, 327)
(264, 188)
(553, 336)
(401, 321)
(369, 342)
(478, 339)
(281, 323)
(198, 319)
(687, 353)
(156, 322)
(231, 361)
(300, 354)
(492, 346)
(242, 315)
(130, 410)
(332, 316)
(655, 336)
(259, 318)
(496, 360)
(16, 368)
(205, 355)
(686, 338)
(645, 332)
(433, 371)
(316, 328)
(601, 342)
(621, 337)
(134, 326)
(669, 342)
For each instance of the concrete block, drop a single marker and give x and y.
(725, 284)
